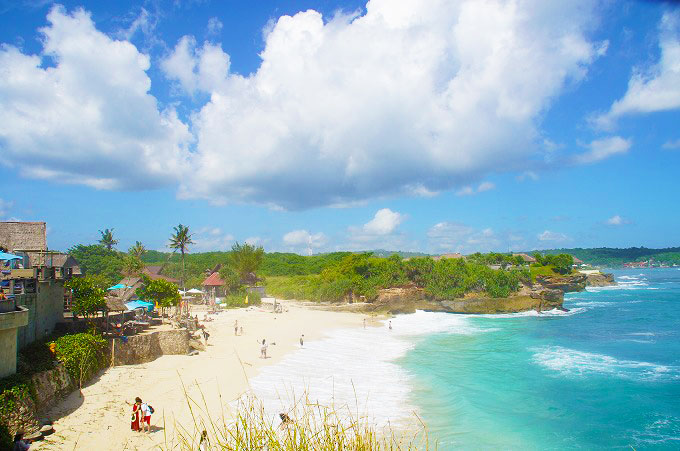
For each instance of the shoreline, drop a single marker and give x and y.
(213, 379)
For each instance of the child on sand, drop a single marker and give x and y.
(302, 340)
(147, 410)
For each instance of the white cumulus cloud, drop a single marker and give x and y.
(656, 88)
(617, 220)
(447, 237)
(212, 239)
(469, 190)
(302, 239)
(89, 117)
(552, 236)
(384, 222)
(410, 97)
(601, 149)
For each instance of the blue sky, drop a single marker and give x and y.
(432, 126)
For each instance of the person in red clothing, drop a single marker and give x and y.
(136, 414)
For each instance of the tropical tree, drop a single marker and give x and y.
(107, 239)
(230, 277)
(164, 293)
(138, 250)
(89, 296)
(246, 258)
(180, 241)
(132, 265)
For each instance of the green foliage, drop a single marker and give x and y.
(107, 239)
(560, 263)
(180, 241)
(364, 274)
(132, 266)
(164, 293)
(138, 250)
(288, 264)
(238, 299)
(98, 260)
(231, 278)
(88, 295)
(614, 257)
(13, 389)
(245, 258)
(82, 354)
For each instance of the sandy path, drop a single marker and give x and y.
(101, 419)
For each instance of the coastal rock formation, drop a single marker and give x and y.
(566, 284)
(600, 280)
(409, 299)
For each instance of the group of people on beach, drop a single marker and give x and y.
(141, 416)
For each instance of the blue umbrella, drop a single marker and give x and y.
(6, 256)
(117, 287)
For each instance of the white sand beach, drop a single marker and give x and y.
(101, 418)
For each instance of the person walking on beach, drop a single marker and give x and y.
(364, 323)
(240, 330)
(146, 410)
(136, 414)
(263, 349)
(302, 340)
(236, 327)
(204, 445)
(390, 325)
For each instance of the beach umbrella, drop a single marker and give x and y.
(194, 291)
(6, 256)
(118, 287)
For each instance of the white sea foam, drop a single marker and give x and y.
(354, 368)
(591, 304)
(534, 313)
(570, 362)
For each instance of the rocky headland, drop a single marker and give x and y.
(546, 293)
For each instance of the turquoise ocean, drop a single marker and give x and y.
(605, 375)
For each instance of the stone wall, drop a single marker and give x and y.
(148, 347)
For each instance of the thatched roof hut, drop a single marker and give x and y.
(116, 299)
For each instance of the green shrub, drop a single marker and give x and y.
(82, 354)
(238, 299)
(13, 388)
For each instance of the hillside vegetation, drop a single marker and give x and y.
(613, 257)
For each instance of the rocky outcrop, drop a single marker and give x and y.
(566, 284)
(600, 280)
(148, 347)
(409, 299)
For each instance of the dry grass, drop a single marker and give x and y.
(312, 427)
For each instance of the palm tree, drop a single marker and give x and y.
(107, 239)
(180, 240)
(137, 250)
